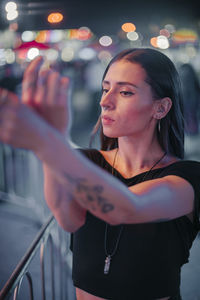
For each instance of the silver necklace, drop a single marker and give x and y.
(110, 255)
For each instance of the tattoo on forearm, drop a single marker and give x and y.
(91, 196)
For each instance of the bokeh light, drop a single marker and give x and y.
(84, 33)
(21, 55)
(170, 28)
(55, 17)
(105, 41)
(56, 36)
(162, 42)
(41, 36)
(104, 56)
(51, 54)
(2, 57)
(9, 56)
(132, 36)
(185, 35)
(28, 36)
(67, 54)
(128, 27)
(87, 54)
(165, 32)
(32, 53)
(153, 42)
(10, 6)
(12, 15)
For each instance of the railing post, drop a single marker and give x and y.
(52, 268)
(30, 283)
(42, 270)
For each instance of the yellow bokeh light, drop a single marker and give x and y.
(185, 35)
(128, 27)
(55, 17)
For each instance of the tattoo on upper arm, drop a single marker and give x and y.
(91, 196)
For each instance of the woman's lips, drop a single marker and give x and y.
(107, 120)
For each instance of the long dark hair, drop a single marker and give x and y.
(164, 80)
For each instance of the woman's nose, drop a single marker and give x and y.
(107, 101)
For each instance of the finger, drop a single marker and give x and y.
(30, 80)
(53, 86)
(63, 92)
(41, 89)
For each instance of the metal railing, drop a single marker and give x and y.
(50, 233)
(21, 180)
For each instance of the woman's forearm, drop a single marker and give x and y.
(93, 188)
(68, 213)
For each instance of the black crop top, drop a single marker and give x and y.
(149, 256)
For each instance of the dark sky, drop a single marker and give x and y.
(106, 17)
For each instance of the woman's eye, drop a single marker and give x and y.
(104, 91)
(125, 93)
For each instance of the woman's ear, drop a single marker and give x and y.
(162, 107)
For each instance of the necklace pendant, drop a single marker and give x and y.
(107, 264)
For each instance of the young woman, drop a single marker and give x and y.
(132, 206)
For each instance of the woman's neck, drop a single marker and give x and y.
(145, 153)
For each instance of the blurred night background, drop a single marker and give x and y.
(79, 38)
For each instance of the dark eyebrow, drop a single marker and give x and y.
(122, 83)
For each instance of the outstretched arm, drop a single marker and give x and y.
(91, 187)
(88, 187)
(47, 93)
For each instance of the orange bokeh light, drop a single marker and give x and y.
(55, 17)
(128, 27)
(41, 36)
(153, 42)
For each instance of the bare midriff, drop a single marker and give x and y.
(82, 295)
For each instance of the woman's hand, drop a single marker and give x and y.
(47, 92)
(20, 126)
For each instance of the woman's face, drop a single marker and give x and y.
(127, 102)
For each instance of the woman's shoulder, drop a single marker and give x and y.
(187, 169)
(188, 165)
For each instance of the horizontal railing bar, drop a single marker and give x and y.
(26, 259)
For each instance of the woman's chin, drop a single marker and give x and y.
(110, 135)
